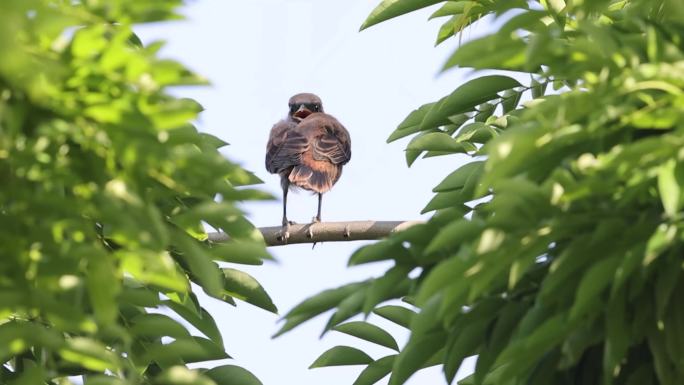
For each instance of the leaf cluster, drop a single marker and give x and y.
(106, 191)
(555, 256)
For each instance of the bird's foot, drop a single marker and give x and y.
(316, 219)
(284, 233)
(347, 231)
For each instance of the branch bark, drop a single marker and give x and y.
(327, 232)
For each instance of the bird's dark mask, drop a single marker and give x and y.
(301, 111)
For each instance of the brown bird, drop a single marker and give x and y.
(307, 149)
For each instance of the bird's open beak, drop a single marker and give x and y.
(302, 112)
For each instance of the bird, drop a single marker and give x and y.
(307, 149)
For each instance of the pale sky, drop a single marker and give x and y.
(257, 53)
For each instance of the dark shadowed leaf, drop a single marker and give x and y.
(243, 286)
(369, 332)
(375, 371)
(201, 319)
(417, 352)
(341, 356)
(318, 304)
(157, 325)
(397, 314)
(184, 350)
(231, 375)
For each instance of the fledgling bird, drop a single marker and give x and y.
(307, 149)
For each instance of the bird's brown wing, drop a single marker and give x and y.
(333, 145)
(284, 148)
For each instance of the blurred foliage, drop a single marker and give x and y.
(106, 186)
(555, 256)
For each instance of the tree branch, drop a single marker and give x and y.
(328, 232)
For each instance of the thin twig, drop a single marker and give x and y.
(327, 232)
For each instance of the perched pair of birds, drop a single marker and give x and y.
(307, 149)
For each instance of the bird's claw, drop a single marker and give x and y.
(284, 233)
(316, 220)
(347, 232)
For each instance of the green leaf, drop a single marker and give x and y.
(390, 285)
(451, 8)
(212, 141)
(664, 367)
(477, 132)
(231, 375)
(493, 52)
(660, 241)
(375, 371)
(618, 338)
(379, 251)
(139, 297)
(173, 113)
(444, 274)
(464, 345)
(318, 304)
(411, 156)
(484, 111)
(199, 261)
(392, 8)
(348, 308)
(467, 97)
(444, 200)
(104, 285)
(180, 375)
(214, 213)
(29, 374)
(510, 99)
(458, 178)
(184, 350)
(417, 352)
(411, 124)
(397, 314)
(153, 268)
(101, 379)
(436, 141)
(90, 354)
(455, 234)
(241, 252)
(520, 355)
(537, 88)
(369, 332)
(201, 319)
(243, 286)
(448, 29)
(157, 325)
(670, 186)
(341, 356)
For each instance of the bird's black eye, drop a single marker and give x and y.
(293, 108)
(317, 107)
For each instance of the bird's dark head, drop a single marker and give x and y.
(303, 105)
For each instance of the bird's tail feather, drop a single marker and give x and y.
(314, 180)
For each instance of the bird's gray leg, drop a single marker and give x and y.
(285, 230)
(317, 218)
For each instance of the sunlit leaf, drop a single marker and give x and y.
(393, 8)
